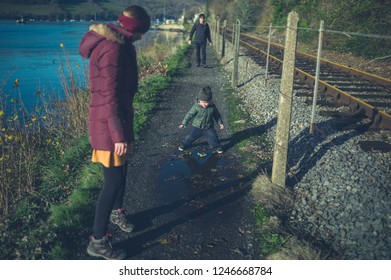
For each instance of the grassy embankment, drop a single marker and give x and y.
(250, 148)
(49, 187)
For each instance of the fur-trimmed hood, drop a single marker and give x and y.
(107, 32)
(101, 32)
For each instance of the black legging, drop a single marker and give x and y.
(111, 197)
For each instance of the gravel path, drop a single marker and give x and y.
(191, 205)
(342, 191)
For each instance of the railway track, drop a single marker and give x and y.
(365, 94)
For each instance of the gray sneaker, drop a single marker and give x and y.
(102, 248)
(118, 217)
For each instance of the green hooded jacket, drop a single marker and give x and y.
(203, 117)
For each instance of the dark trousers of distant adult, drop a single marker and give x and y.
(111, 197)
(209, 134)
(201, 53)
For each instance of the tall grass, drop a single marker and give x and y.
(22, 139)
(29, 139)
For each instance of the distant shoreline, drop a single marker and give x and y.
(169, 27)
(161, 27)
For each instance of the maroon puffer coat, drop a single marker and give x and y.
(113, 82)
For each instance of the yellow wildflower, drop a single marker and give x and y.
(62, 45)
(163, 241)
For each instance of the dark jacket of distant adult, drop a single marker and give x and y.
(202, 33)
(113, 84)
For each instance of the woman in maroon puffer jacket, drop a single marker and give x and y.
(113, 83)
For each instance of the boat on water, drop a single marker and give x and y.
(20, 21)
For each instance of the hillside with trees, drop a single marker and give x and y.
(364, 17)
(94, 9)
(347, 17)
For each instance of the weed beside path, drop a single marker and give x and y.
(192, 205)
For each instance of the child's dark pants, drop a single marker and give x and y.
(209, 134)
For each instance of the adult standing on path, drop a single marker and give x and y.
(113, 82)
(202, 35)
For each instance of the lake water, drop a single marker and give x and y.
(31, 53)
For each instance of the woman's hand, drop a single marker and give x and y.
(121, 148)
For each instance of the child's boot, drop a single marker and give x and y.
(219, 150)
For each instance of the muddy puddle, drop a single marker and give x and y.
(198, 177)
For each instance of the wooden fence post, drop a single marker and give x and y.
(217, 41)
(223, 38)
(268, 52)
(316, 86)
(233, 33)
(216, 35)
(234, 79)
(212, 30)
(285, 103)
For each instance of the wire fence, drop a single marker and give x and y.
(368, 52)
(380, 36)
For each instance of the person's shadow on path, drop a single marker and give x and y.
(137, 244)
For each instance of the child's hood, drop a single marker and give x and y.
(205, 94)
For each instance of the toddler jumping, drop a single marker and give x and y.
(204, 113)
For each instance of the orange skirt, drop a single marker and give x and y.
(109, 159)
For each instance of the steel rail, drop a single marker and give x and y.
(349, 70)
(379, 119)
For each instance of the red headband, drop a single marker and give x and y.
(134, 25)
